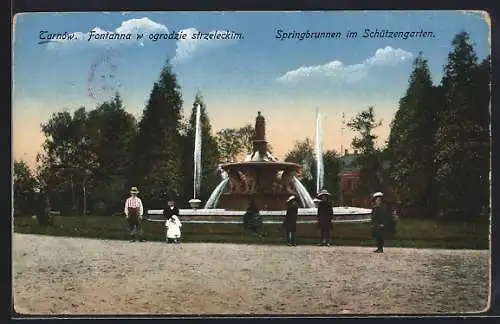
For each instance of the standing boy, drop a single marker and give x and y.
(325, 217)
(133, 212)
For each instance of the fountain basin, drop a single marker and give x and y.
(222, 216)
(239, 201)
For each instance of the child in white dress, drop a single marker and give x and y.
(173, 226)
(172, 223)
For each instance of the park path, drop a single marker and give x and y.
(58, 275)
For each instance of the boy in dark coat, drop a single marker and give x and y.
(325, 217)
(170, 209)
(290, 221)
(383, 225)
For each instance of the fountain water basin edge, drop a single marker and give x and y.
(222, 216)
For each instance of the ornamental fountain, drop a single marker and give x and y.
(262, 178)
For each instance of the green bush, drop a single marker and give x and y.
(99, 208)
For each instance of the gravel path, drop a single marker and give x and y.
(56, 275)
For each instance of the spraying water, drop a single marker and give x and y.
(197, 154)
(303, 194)
(215, 196)
(319, 154)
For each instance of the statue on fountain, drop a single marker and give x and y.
(259, 151)
(250, 181)
(285, 180)
(235, 181)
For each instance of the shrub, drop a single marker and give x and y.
(99, 208)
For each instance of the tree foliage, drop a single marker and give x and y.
(368, 160)
(303, 153)
(234, 143)
(157, 165)
(68, 161)
(411, 142)
(462, 138)
(332, 169)
(112, 131)
(86, 157)
(23, 188)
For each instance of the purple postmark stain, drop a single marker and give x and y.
(102, 81)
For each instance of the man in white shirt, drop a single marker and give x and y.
(133, 212)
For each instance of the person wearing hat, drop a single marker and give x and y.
(325, 217)
(381, 221)
(172, 223)
(133, 212)
(290, 221)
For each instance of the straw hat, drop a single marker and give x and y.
(134, 190)
(323, 193)
(378, 194)
(292, 197)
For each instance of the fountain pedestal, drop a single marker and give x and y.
(194, 203)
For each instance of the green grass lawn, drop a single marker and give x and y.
(410, 233)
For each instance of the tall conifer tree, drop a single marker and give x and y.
(158, 168)
(411, 140)
(462, 139)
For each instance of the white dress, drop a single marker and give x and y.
(173, 226)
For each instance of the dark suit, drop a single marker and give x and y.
(290, 221)
(381, 225)
(169, 212)
(134, 223)
(325, 216)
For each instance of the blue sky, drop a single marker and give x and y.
(286, 79)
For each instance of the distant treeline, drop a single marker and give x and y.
(435, 163)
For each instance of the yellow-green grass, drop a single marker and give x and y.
(419, 233)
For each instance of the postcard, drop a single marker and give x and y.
(251, 163)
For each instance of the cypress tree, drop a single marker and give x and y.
(158, 154)
(462, 139)
(410, 144)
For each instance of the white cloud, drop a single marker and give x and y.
(185, 48)
(133, 26)
(189, 47)
(387, 56)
